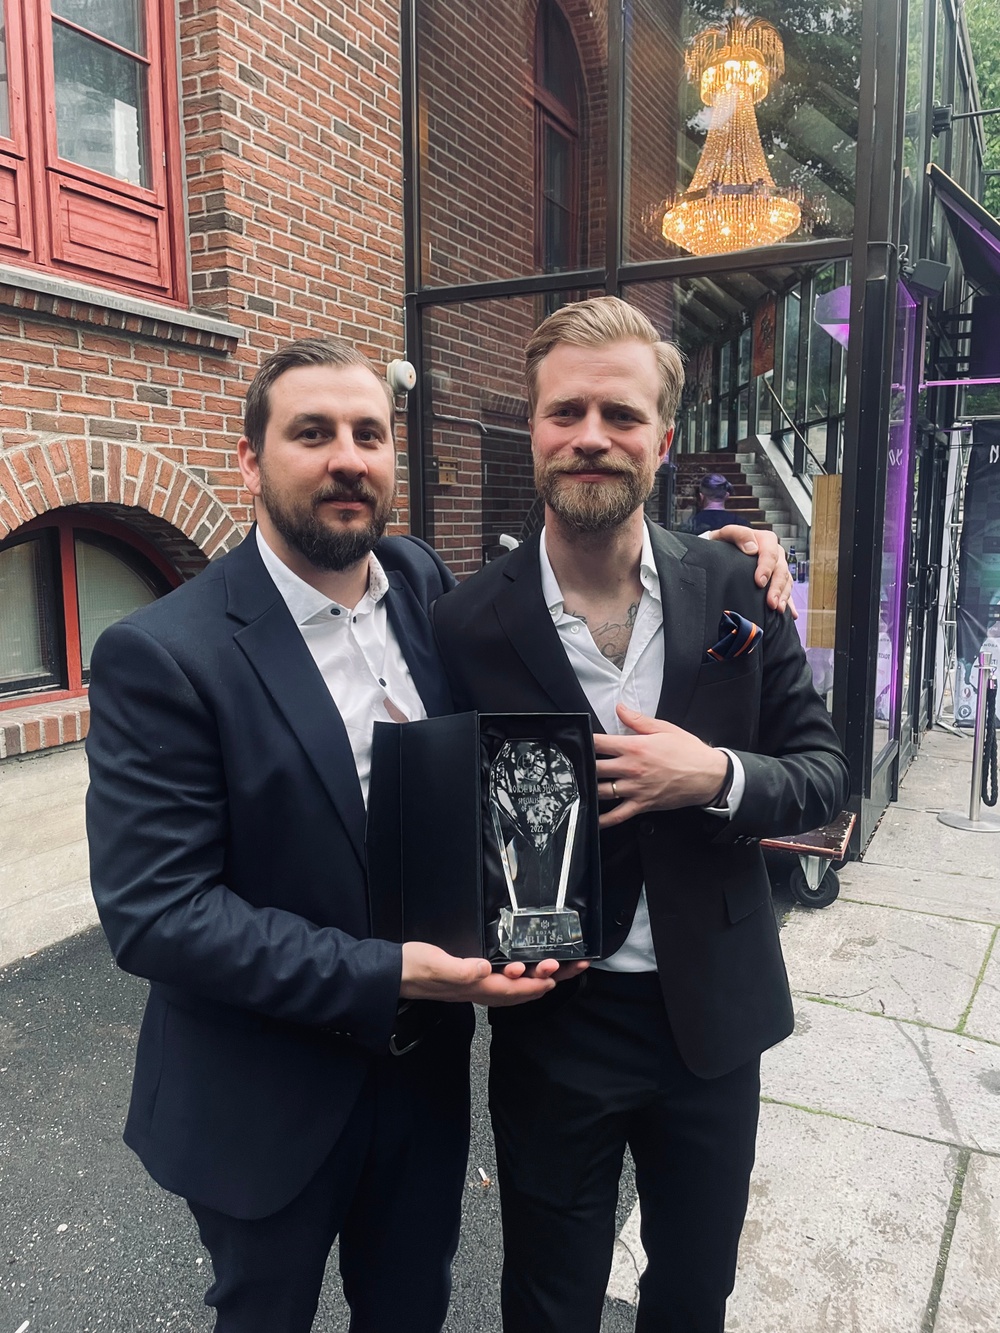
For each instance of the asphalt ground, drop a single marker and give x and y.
(87, 1241)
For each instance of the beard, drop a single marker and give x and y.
(325, 547)
(600, 506)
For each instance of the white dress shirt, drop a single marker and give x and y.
(356, 651)
(637, 685)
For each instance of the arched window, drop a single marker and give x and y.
(558, 108)
(63, 579)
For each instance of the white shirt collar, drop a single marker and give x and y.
(552, 593)
(306, 602)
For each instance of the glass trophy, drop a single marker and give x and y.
(534, 806)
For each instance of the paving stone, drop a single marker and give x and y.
(970, 1296)
(881, 960)
(894, 1075)
(910, 838)
(843, 1229)
(972, 897)
(984, 1017)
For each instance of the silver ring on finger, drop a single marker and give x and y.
(614, 790)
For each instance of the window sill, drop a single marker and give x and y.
(26, 291)
(41, 726)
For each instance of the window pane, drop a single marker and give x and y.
(100, 107)
(559, 61)
(482, 141)
(120, 21)
(4, 87)
(107, 589)
(25, 642)
(742, 153)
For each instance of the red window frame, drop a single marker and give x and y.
(62, 217)
(67, 606)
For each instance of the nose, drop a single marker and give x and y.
(344, 456)
(592, 437)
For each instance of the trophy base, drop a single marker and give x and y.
(532, 933)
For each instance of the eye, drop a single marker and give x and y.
(312, 435)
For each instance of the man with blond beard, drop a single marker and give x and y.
(709, 736)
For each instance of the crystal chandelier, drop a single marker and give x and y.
(732, 202)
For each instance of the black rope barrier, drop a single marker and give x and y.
(989, 789)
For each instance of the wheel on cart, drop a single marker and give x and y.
(825, 892)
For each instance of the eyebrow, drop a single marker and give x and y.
(614, 406)
(305, 419)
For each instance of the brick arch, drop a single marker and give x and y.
(41, 476)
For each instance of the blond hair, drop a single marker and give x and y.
(594, 323)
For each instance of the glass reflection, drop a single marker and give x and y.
(807, 121)
(100, 107)
(120, 21)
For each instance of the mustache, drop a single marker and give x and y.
(610, 470)
(359, 492)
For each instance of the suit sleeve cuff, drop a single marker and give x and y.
(736, 789)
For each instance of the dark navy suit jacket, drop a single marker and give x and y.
(227, 833)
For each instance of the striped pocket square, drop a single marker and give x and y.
(739, 637)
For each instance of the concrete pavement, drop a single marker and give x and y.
(875, 1202)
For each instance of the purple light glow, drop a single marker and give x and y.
(832, 313)
(897, 517)
(948, 384)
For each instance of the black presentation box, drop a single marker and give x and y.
(434, 867)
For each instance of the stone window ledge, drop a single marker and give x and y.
(41, 726)
(28, 292)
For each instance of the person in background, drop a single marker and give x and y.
(713, 492)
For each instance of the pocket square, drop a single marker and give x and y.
(739, 637)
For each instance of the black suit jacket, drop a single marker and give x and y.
(714, 932)
(227, 832)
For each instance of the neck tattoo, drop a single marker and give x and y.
(613, 636)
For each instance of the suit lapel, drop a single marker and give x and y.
(682, 593)
(412, 628)
(528, 625)
(277, 652)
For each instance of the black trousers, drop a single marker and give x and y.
(569, 1087)
(391, 1189)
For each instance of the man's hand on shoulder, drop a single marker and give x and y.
(772, 567)
(659, 767)
(431, 974)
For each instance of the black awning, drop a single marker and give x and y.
(976, 232)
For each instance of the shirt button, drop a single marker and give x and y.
(381, 682)
(574, 629)
(334, 610)
(355, 619)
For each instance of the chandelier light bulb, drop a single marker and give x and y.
(732, 202)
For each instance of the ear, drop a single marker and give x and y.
(665, 444)
(249, 465)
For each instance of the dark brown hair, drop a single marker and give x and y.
(304, 352)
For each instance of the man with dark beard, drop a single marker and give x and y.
(296, 1079)
(709, 736)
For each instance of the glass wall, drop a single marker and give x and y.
(765, 376)
(770, 146)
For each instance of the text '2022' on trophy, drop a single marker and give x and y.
(535, 806)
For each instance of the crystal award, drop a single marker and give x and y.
(534, 806)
